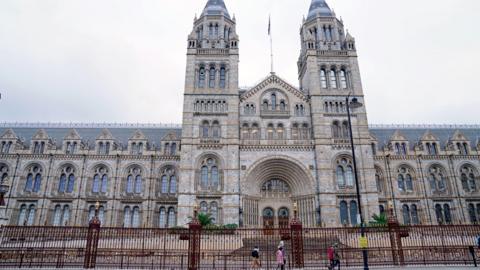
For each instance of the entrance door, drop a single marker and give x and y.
(268, 220)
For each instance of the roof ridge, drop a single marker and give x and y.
(74, 125)
(424, 126)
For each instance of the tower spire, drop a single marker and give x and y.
(319, 7)
(216, 7)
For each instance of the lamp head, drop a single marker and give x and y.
(354, 104)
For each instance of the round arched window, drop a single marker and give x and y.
(276, 186)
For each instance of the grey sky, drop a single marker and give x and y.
(124, 60)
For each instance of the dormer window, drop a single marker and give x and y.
(431, 148)
(70, 148)
(38, 147)
(401, 149)
(5, 147)
(136, 148)
(463, 148)
(103, 148)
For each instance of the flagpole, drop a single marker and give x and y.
(271, 44)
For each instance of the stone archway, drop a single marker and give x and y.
(276, 183)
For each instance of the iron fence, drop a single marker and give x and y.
(66, 247)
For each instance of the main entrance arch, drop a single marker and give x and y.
(272, 186)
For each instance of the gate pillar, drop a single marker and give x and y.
(92, 240)
(194, 232)
(396, 234)
(296, 231)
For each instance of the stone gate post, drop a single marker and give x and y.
(296, 231)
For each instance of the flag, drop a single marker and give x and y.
(269, 26)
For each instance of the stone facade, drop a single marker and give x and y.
(245, 156)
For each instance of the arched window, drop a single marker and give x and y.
(203, 207)
(136, 217)
(323, 78)
(214, 212)
(333, 79)
(276, 186)
(448, 215)
(401, 182)
(22, 215)
(62, 183)
(138, 184)
(408, 182)
(57, 216)
(265, 105)
(379, 181)
(472, 214)
(270, 132)
(201, 77)
(210, 174)
(38, 182)
(353, 212)
(344, 213)
(212, 75)
(34, 179)
(349, 176)
(406, 214)
(216, 130)
(205, 128)
(336, 130)
(280, 132)
(91, 213)
(127, 217)
(343, 79)
(245, 132)
(173, 150)
(171, 217)
(305, 131)
(467, 176)
(164, 184)
(71, 183)
(437, 179)
(130, 184)
(31, 215)
(282, 105)
(344, 172)
(214, 177)
(255, 132)
(414, 215)
(96, 184)
(204, 180)
(274, 101)
(66, 215)
(162, 218)
(439, 214)
(295, 131)
(222, 77)
(405, 179)
(173, 184)
(345, 130)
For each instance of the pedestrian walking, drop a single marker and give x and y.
(284, 252)
(333, 257)
(256, 258)
(280, 262)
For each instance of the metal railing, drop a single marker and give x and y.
(155, 248)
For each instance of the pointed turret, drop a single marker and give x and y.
(216, 7)
(319, 7)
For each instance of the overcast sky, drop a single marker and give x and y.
(124, 60)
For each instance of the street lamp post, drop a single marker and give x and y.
(354, 103)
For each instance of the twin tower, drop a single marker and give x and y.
(249, 155)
